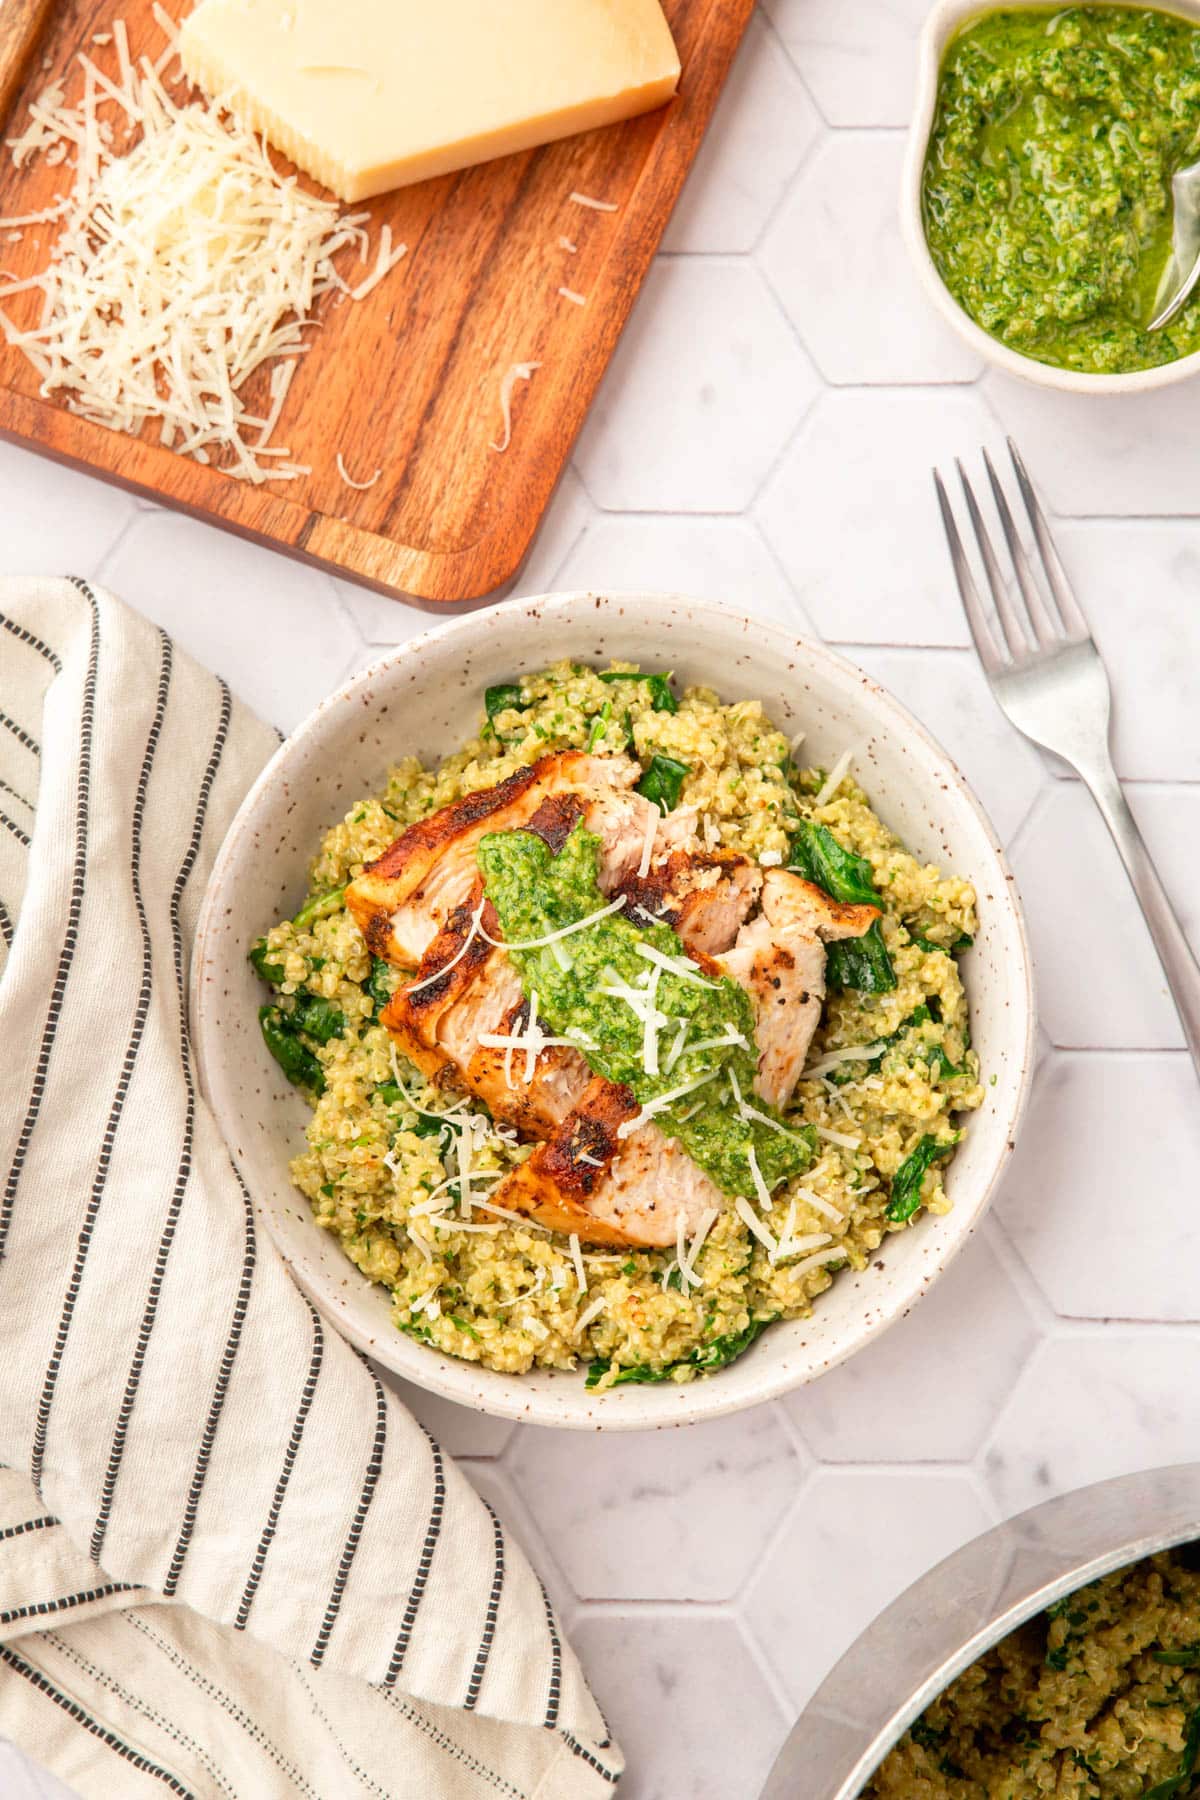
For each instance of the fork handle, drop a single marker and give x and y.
(1179, 964)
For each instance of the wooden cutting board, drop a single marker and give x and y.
(407, 380)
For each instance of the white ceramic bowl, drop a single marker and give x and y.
(425, 699)
(946, 18)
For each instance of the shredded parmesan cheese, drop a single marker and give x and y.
(596, 205)
(528, 1293)
(641, 1002)
(515, 1218)
(835, 778)
(167, 26)
(385, 262)
(840, 1101)
(476, 928)
(593, 1311)
(349, 479)
(838, 1137)
(41, 130)
(744, 1111)
(277, 387)
(552, 937)
(810, 1241)
(730, 1038)
(756, 1176)
(819, 1205)
(451, 1112)
(577, 1259)
(532, 1041)
(755, 1226)
(785, 1235)
(564, 243)
(681, 966)
(661, 1102)
(791, 1245)
(522, 371)
(534, 1037)
(570, 294)
(653, 816)
(432, 1207)
(834, 1254)
(848, 1053)
(443, 1222)
(180, 269)
(707, 1220)
(676, 1050)
(651, 1025)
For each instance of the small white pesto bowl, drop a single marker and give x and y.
(425, 699)
(945, 19)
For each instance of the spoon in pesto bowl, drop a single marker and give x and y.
(1183, 270)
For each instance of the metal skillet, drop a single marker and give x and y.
(948, 1618)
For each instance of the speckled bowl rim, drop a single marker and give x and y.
(565, 1402)
(945, 18)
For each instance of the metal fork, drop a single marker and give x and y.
(1048, 679)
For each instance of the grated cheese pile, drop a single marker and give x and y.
(181, 267)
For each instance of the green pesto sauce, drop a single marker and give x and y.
(1047, 183)
(534, 893)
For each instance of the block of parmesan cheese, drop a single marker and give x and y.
(367, 95)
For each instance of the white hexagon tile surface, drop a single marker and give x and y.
(765, 435)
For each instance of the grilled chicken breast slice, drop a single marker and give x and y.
(467, 989)
(621, 1192)
(704, 898)
(779, 958)
(621, 820)
(401, 901)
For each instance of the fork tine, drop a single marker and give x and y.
(985, 644)
(1006, 612)
(1056, 576)
(1045, 628)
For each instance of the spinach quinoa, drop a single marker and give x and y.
(1047, 183)
(444, 1171)
(1096, 1699)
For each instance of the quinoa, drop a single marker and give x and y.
(1096, 1699)
(508, 1294)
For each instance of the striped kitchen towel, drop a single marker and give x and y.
(231, 1564)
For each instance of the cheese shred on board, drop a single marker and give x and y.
(518, 371)
(180, 268)
(349, 479)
